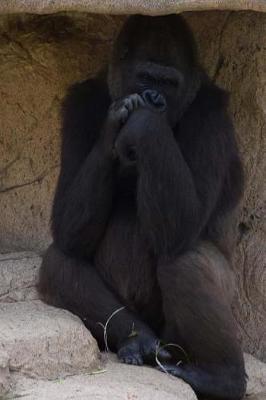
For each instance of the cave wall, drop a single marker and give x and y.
(40, 56)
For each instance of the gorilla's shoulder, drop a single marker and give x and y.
(211, 98)
(208, 107)
(91, 90)
(84, 107)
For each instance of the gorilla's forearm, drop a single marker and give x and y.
(81, 213)
(168, 205)
(84, 189)
(172, 210)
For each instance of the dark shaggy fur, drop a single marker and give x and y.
(150, 173)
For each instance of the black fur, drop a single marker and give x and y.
(140, 208)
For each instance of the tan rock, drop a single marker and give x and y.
(18, 276)
(115, 381)
(152, 7)
(256, 371)
(46, 342)
(259, 396)
(5, 378)
(118, 381)
(43, 52)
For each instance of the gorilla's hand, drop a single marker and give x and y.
(120, 110)
(118, 115)
(142, 348)
(145, 127)
(154, 100)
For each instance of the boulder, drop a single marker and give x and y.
(115, 381)
(256, 371)
(43, 341)
(124, 382)
(5, 377)
(18, 276)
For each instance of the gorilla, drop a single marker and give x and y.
(150, 176)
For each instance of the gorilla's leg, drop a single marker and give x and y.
(197, 292)
(75, 285)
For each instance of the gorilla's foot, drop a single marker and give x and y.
(142, 349)
(221, 383)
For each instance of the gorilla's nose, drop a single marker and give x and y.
(154, 99)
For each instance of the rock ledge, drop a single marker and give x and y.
(152, 7)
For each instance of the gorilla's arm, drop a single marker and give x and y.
(182, 174)
(84, 192)
(81, 210)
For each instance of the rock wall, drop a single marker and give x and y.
(233, 48)
(40, 56)
(150, 7)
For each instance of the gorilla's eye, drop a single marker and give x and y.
(147, 77)
(159, 79)
(172, 82)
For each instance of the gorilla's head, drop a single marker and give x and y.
(156, 53)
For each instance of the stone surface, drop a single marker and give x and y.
(46, 342)
(115, 381)
(18, 276)
(42, 342)
(40, 56)
(152, 7)
(52, 53)
(124, 382)
(256, 371)
(5, 378)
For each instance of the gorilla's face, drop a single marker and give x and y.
(156, 53)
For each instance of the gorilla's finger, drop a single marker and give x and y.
(163, 354)
(171, 369)
(129, 104)
(124, 114)
(155, 99)
(138, 101)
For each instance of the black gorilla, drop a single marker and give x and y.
(150, 173)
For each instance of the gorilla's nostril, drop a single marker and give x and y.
(154, 99)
